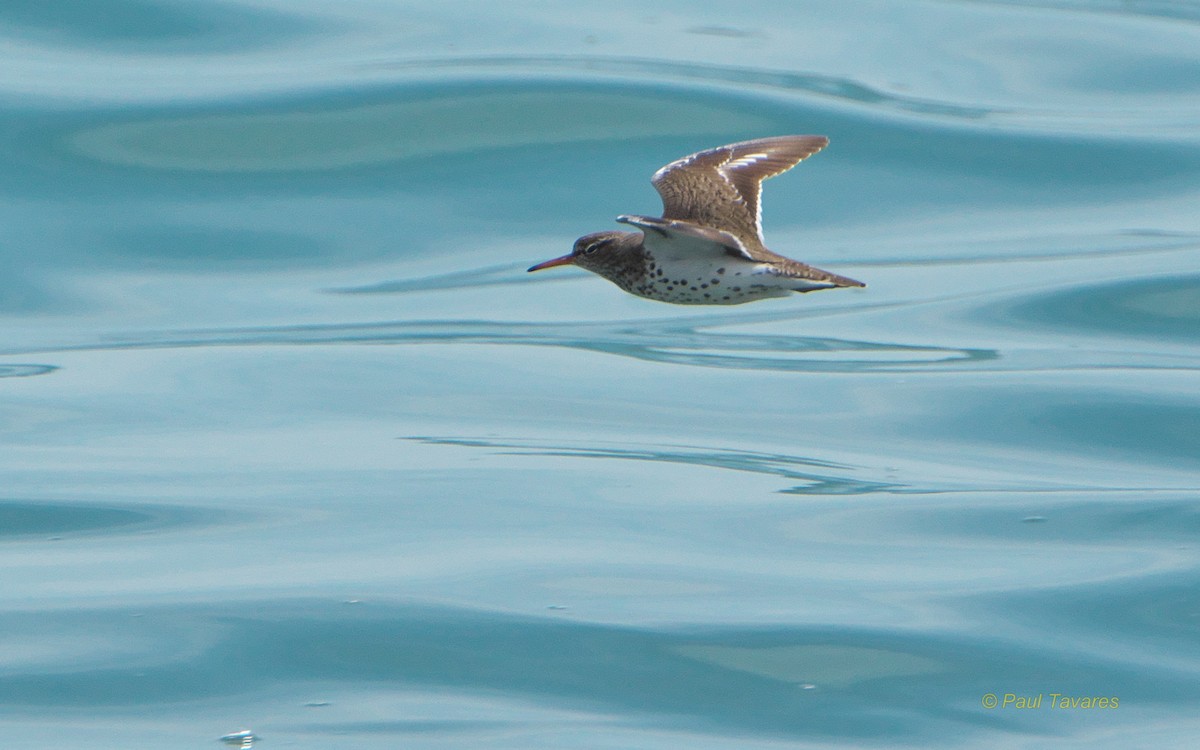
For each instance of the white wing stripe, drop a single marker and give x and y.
(744, 161)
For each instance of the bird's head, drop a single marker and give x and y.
(593, 252)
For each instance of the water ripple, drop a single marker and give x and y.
(818, 477)
(144, 26)
(1166, 307)
(680, 341)
(20, 519)
(1133, 8)
(789, 682)
(835, 87)
(501, 274)
(25, 371)
(415, 122)
(1150, 309)
(792, 84)
(688, 341)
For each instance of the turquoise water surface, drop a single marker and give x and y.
(292, 443)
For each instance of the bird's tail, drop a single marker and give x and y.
(822, 280)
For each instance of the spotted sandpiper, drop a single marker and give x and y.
(707, 249)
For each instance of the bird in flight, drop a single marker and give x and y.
(707, 248)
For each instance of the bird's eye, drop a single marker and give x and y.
(589, 249)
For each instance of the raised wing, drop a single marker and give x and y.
(722, 187)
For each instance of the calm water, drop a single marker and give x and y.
(291, 443)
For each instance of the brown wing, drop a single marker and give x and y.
(722, 187)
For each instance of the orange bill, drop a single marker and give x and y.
(566, 260)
